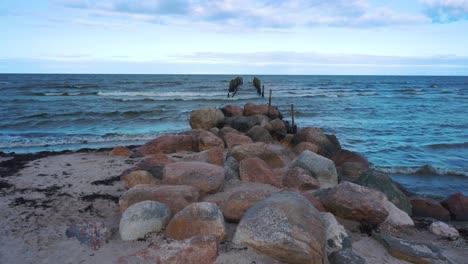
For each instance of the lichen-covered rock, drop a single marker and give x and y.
(234, 139)
(354, 202)
(207, 178)
(195, 250)
(232, 110)
(381, 182)
(244, 123)
(256, 170)
(337, 236)
(139, 177)
(204, 140)
(213, 155)
(206, 118)
(328, 144)
(319, 167)
(286, 227)
(154, 164)
(143, 218)
(300, 179)
(444, 230)
(299, 148)
(197, 219)
(261, 150)
(425, 207)
(457, 204)
(176, 197)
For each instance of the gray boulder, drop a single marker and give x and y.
(284, 226)
(206, 118)
(143, 218)
(319, 167)
(337, 236)
(258, 133)
(346, 256)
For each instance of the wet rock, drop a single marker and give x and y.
(143, 218)
(259, 134)
(234, 139)
(319, 167)
(167, 144)
(139, 177)
(306, 146)
(261, 150)
(444, 230)
(204, 140)
(346, 256)
(92, 234)
(410, 251)
(206, 118)
(244, 123)
(286, 227)
(195, 250)
(232, 110)
(241, 199)
(337, 236)
(197, 219)
(175, 197)
(425, 207)
(120, 151)
(354, 202)
(207, 178)
(457, 205)
(328, 145)
(350, 165)
(381, 182)
(256, 170)
(300, 179)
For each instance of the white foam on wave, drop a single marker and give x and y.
(421, 170)
(162, 94)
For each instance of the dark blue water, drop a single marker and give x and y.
(399, 123)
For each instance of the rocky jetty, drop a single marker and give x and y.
(239, 180)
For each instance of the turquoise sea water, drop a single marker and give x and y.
(415, 128)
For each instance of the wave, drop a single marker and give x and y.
(130, 113)
(448, 145)
(162, 94)
(423, 170)
(411, 91)
(64, 94)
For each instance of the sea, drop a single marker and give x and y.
(415, 128)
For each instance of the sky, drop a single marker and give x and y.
(356, 37)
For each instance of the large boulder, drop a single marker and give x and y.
(381, 182)
(319, 167)
(259, 134)
(256, 170)
(244, 123)
(286, 227)
(139, 177)
(143, 218)
(350, 165)
(206, 118)
(234, 139)
(354, 202)
(258, 149)
(337, 236)
(244, 197)
(261, 109)
(213, 155)
(195, 250)
(175, 197)
(197, 219)
(301, 147)
(425, 207)
(457, 204)
(204, 140)
(154, 164)
(328, 144)
(167, 144)
(207, 178)
(298, 178)
(232, 110)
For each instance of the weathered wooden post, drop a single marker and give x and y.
(263, 91)
(269, 104)
(292, 115)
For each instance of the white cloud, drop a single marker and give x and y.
(246, 13)
(443, 11)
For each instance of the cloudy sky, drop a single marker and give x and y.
(411, 37)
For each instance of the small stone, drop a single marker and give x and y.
(444, 230)
(120, 151)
